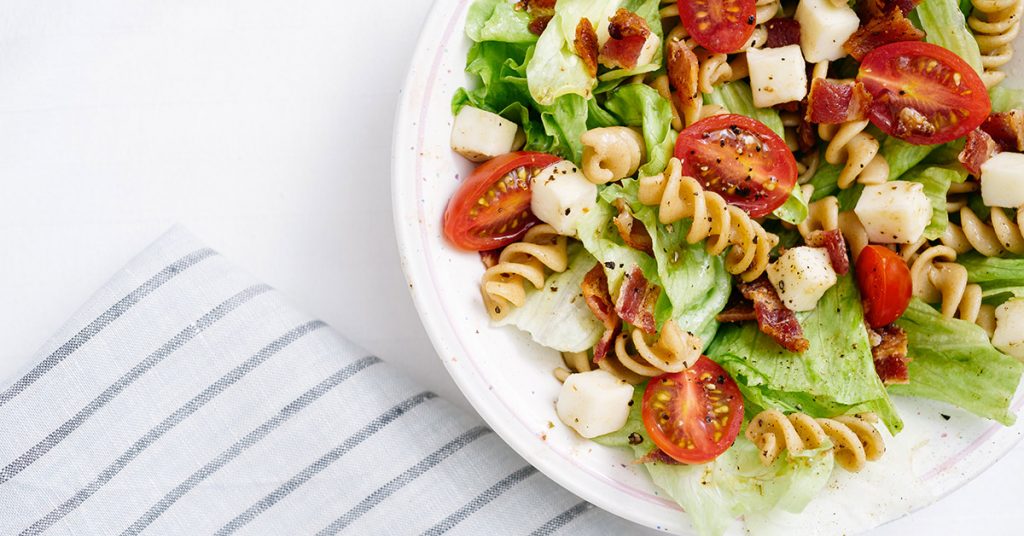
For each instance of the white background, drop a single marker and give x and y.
(264, 126)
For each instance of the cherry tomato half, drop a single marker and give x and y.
(721, 26)
(741, 159)
(885, 285)
(923, 93)
(693, 415)
(492, 207)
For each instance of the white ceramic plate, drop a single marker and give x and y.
(508, 378)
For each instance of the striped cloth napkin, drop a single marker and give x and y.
(188, 398)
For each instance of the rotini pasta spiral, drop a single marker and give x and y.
(502, 284)
(574, 362)
(611, 153)
(996, 23)
(822, 215)
(855, 440)
(720, 225)
(1000, 235)
(936, 277)
(673, 351)
(849, 145)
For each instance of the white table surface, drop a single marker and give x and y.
(264, 127)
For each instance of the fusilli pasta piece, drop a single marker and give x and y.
(720, 225)
(574, 362)
(1000, 235)
(855, 440)
(996, 24)
(611, 153)
(502, 284)
(936, 277)
(822, 215)
(673, 351)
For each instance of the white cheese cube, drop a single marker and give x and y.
(1009, 334)
(1002, 180)
(561, 196)
(801, 276)
(480, 135)
(594, 403)
(824, 28)
(777, 75)
(895, 212)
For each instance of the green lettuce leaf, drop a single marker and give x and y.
(836, 375)
(735, 484)
(936, 181)
(648, 9)
(695, 285)
(903, 156)
(639, 105)
(794, 210)
(945, 25)
(953, 361)
(498, 20)
(738, 98)
(1005, 99)
(599, 236)
(553, 316)
(555, 69)
(998, 278)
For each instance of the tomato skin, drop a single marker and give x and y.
(758, 179)
(721, 26)
(679, 412)
(505, 215)
(929, 80)
(885, 285)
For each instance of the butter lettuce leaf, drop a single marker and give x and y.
(639, 105)
(498, 20)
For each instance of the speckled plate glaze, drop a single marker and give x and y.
(507, 377)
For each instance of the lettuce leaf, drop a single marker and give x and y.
(903, 156)
(648, 9)
(836, 375)
(695, 285)
(1005, 99)
(553, 315)
(555, 69)
(735, 484)
(954, 362)
(936, 181)
(998, 278)
(945, 25)
(599, 236)
(639, 105)
(497, 20)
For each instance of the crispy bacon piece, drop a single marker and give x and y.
(539, 23)
(540, 11)
(586, 45)
(910, 122)
(773, 318)
(835, 244)
(683, 73)
(658, 456)
(636, 301)
(875, 8)
(490, 258)
(890, 355)
(628, 32)
(599, 300)
(741, 312)
(782, 32)
(633, 232)
(1006, 129)
(625, 24)
(883, 29)
(978, 148)
(832, 102)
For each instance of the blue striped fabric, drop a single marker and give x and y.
(188, 398)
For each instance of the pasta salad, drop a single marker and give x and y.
(746, 224)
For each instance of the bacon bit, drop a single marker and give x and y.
(773, 318)
(586, 45)
(832, 102)
(682, 68)
(890, 27)
(658, 456)
(877, 8)
(540, 11)
(741, 312)
(637, 298)
(599, 300)
(835, 244)
(490, 258)
(910, 122)
(1006, 129)
(890, 355)
(539, 24)
(782, 32)
(628, 32)
(978, 148)
(633, 232)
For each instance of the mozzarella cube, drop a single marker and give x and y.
(1002, 180)
(896, 212)
(801, 276)
(561, 196)
(777, 75)
(1009, 334)
(480, 135)
(824, 28)
(594, 403)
